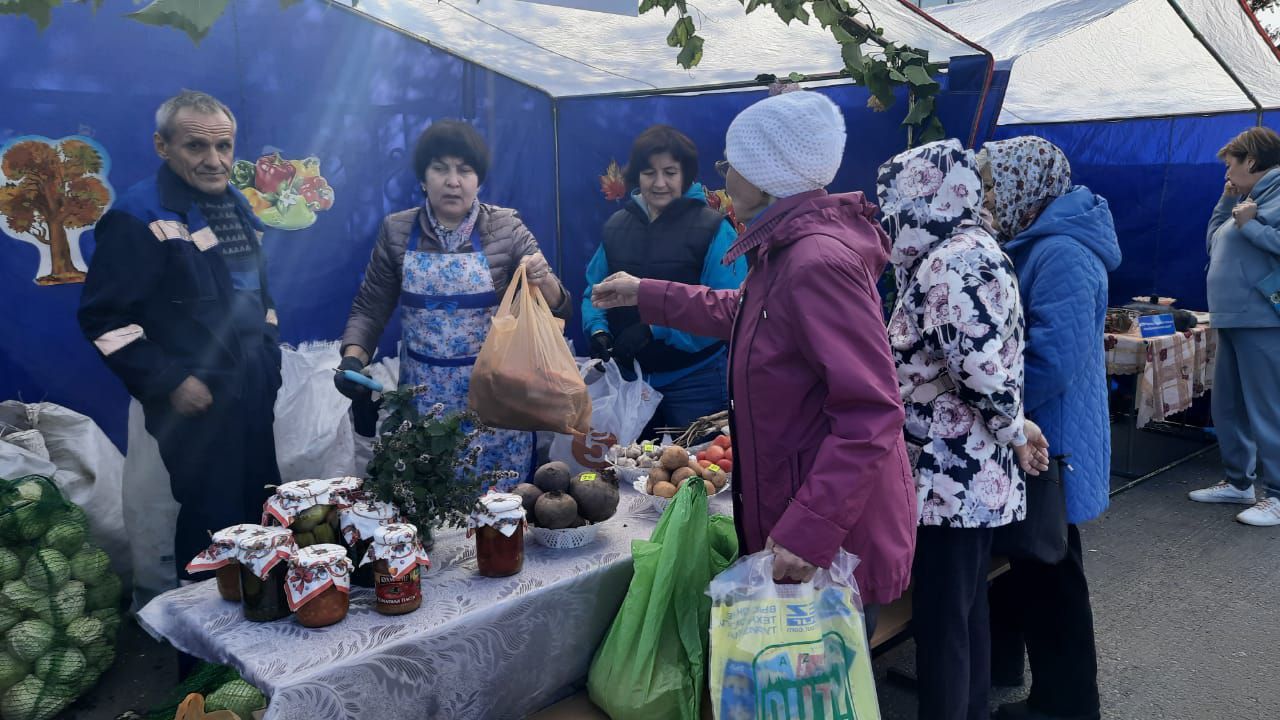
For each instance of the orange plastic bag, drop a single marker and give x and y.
(525, 378)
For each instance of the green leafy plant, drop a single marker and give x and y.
(426, 464)
(883, 68)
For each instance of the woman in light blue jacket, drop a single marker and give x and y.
(1243, 283)
(1062, 241)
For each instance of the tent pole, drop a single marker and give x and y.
(555, 138)
(1217, 58)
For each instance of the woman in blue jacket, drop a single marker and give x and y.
(665, 231)
(1062, 241)
(1244, 303)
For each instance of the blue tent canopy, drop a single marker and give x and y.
(355, 88)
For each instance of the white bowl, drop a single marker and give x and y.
(566, 539)
(660, 503)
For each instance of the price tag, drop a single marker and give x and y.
(714, 468)
(648, 447)
(587, 477)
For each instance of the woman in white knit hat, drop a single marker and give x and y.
(819, 461)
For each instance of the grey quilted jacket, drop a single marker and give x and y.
(503, 237)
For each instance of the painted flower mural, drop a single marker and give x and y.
(51, 191)
(284, 194)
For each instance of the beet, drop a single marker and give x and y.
(555, 510)
(553, 477)
(597, 499)
(529, 494)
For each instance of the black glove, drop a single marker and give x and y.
(630, 342)
(601, 346)
(351, 389)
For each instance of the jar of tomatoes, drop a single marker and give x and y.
(396, 556)
(222, 557)
(305, 507)
(264, 562)
(318, 585)
(358, 523)
(498, 523)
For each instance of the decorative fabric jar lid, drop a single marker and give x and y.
(315, 569)
(361, 519)
(293, 498)
(502, 511)
(223, 551)
(261, 550)
(398, 544)
(346, 491)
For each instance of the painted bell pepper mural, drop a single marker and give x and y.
(51, 191)
(284, 194)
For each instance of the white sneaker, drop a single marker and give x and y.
(1265, 514)
(1224, 492)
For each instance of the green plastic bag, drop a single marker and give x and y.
(652, 663)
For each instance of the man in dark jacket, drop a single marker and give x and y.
(176, 302)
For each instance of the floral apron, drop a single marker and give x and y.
(446, 302)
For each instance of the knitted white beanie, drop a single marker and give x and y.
(787, 144)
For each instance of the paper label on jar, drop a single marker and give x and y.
(390, 591)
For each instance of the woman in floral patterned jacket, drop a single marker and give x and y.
(957, 338)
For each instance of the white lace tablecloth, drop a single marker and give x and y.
(477, 648)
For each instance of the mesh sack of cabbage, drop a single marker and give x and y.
(59, 602)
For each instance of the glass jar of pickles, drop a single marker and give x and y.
(396, 556)
(264, 562)
(222, 557)
(358, 523)
(498, 523)
(318, 584)
(306, 508)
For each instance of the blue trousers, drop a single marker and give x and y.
(703, 392)
(1246, 406)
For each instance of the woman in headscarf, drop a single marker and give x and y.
(447, 263)
(957, 337)
(1062, 242)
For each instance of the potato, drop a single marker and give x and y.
(664, 489)
(679, 476)
(711, 489)
(674, 457)
(656, 475)
(718, 479)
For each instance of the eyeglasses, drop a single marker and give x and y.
(723, 167)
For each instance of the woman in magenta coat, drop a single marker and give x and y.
(819, 459)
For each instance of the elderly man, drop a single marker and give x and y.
(176, 302)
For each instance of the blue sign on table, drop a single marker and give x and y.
(1156, 325)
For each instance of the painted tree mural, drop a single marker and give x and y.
(50, 192)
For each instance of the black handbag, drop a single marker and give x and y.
(1042, 536)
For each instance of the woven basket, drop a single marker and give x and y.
(566, 539)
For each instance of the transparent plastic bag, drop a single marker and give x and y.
(619, 412)
(789, 651)
(525, 378)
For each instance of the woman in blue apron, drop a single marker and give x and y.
(446, 264)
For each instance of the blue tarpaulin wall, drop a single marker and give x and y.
(317, 80)
(1161, 177)
(595, 131)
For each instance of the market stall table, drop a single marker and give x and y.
(477, 648)
(1172, 370)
